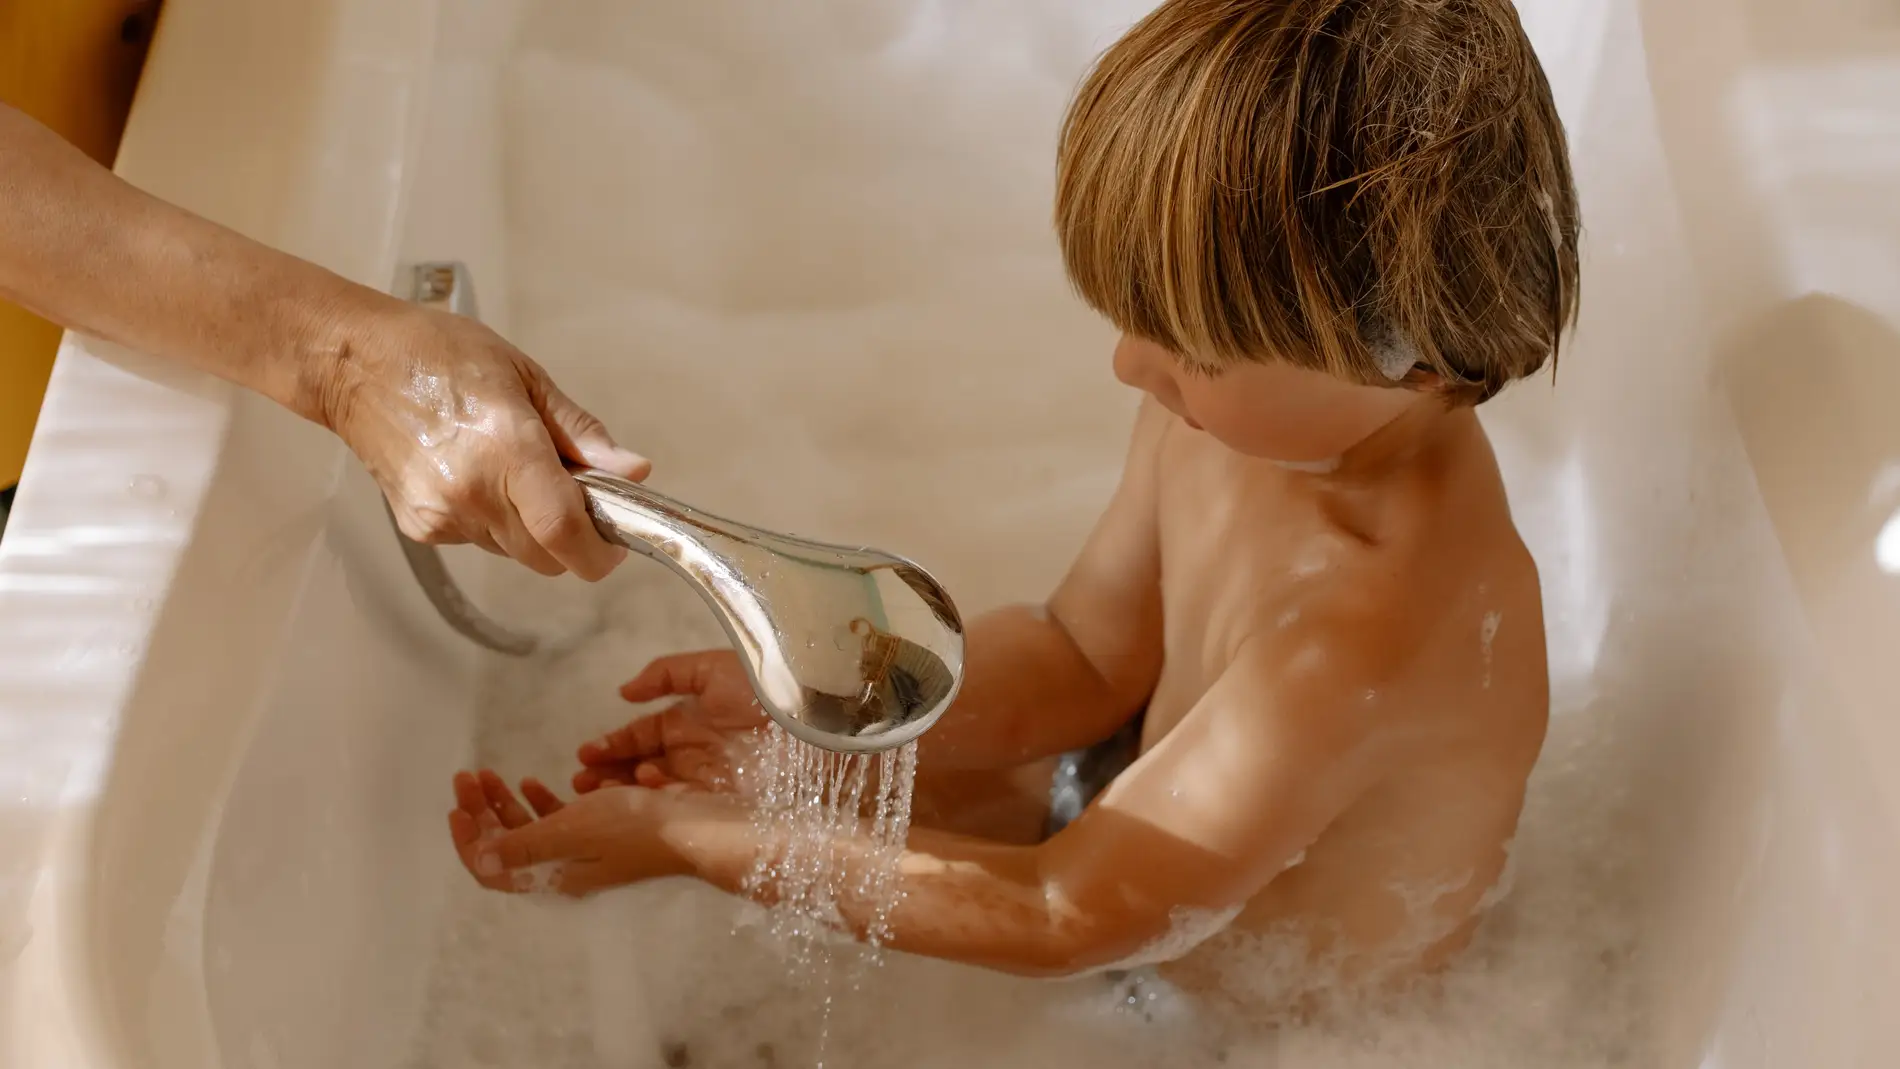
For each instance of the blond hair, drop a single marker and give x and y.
(1327, 183)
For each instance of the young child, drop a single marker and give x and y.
(1305, 640)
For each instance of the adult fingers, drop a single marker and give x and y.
(514, 540)
(553, 512)
(582, 438)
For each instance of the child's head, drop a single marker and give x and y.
(1305, 214)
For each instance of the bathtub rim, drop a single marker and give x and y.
(290, 162)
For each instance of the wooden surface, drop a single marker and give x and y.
(73, 65)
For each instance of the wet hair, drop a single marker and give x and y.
(1377, 189)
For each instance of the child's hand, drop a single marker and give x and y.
(672, 748)
(688, 743)
(606, 839)
(713, 682)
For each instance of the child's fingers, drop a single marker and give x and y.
(463, 829)
(650, 774)
(468, 832)
(630, 742)
(545, 802)
(693, 765)
(468, 794)
(541, 842)
(501, 801)
(681, 673)
(589, 780)
(685, 725)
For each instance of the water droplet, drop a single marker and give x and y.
(146, 487)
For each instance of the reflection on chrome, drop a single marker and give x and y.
(849, 649)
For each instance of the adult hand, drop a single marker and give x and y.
(464, 433)
(469, 439)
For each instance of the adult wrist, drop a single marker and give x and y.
(333, 328)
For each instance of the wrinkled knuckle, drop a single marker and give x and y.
(584, 422)
(554, 528)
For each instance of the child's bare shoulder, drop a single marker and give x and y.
(1396, 637)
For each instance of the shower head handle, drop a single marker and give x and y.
(850, 649)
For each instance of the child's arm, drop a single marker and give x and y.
(1042, 680)
(1038, 680)
(1260, 767)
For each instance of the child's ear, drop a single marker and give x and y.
(1424, 380)
(1433, 384)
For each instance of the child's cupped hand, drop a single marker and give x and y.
(696, 742)
(606, 839)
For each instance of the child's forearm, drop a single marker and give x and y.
(958, 899)
(1029, 691)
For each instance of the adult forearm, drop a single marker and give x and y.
(1029, 691)
(85, 249)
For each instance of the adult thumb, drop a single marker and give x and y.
(583, 439)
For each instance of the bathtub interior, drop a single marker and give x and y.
(798, 254)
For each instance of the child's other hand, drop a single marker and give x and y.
(712, 682)
(606, 839)
(672, 748)
(687, 743)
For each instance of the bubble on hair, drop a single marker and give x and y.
(1395, 355)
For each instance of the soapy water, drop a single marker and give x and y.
(673, 973)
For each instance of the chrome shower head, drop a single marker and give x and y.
(851, 650)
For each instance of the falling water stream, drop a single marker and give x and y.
(832, 828)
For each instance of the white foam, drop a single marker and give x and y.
(1396, 356)
(1188, 928)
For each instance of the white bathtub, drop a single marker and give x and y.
(227, 718)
